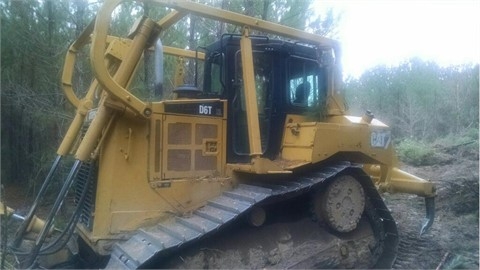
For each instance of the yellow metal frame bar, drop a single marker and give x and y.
(183, 53)
(391, 179)
(113, 86)
(169, 20)
(82, 105)
(250, 95)
(97, 56)
(99, 39)
(243, 20)
(68, 66)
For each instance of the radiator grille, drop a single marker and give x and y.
(205, 131)
(178, 160)
(203, 163)
(179, 133)
(191, 149)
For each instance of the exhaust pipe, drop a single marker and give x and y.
(158, 69)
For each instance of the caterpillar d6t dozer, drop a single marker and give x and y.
(267, 125)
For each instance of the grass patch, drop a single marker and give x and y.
(464, 144)
(440, 151)
(415, 153)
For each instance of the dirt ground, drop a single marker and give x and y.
(453, 237)
(293, 241)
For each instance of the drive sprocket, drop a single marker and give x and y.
(341, 204)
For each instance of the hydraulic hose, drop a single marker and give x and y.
(56, 206)
(28, 218)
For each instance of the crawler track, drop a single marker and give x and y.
(149, 244)
(419, 252)
(410, 249)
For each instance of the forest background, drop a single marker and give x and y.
(430, 108)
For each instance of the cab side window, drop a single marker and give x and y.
(306, 86)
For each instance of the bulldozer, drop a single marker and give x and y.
(267, 125)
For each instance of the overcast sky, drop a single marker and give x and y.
(392, 31)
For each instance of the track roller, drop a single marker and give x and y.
(257, 216)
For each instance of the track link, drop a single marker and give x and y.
(410, 248)
(424, 252)
(150, 243)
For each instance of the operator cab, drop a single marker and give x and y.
(290, 78)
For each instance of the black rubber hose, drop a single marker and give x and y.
(71, 224)
(56, 206)
(23, 227)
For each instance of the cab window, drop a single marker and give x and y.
(263, 76)
(306, 85)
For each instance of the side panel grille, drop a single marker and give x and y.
(192, 147)
(87, 174)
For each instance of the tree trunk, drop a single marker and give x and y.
(266, 4)
(249, 7)
(51, 25)
(221, 28)
(192, 44)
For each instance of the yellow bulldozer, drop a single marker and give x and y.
(268, 124)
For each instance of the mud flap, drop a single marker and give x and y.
(430, 214)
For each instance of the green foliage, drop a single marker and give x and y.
(35, 36)
(415, 153)
(468, 136)
(418, 99)
(463, 144)
(441, 150)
